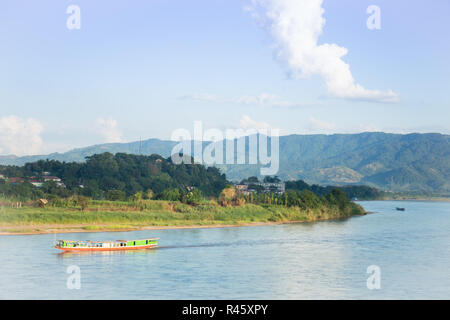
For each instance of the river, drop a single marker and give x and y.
(409, 251)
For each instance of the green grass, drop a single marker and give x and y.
(124, 215)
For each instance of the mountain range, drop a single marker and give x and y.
(396, 162)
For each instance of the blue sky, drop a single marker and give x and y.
(145, 68)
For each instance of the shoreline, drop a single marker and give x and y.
(52, 229)
(79, 229)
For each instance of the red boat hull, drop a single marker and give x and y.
(108, 249)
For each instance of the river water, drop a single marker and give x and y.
(409, 251)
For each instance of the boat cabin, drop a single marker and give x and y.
(105, 244)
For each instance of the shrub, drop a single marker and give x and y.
(193, 197)
(115, 195)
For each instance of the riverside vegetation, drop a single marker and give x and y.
(122, 192)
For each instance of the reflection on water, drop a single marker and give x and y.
(295, 261)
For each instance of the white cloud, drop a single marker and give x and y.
(263, 99)
(316, 125)
(247, 123)
(108, 128)
(200, 97)
(295, 26)
(20, 136)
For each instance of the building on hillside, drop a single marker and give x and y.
(264, 187)
(274, 187)
(58, 181)
(36, 183)
(51, 178)
(242, 188)
(15, 180)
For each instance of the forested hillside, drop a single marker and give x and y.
(411, 162)
(115, 176)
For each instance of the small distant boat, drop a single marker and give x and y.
(69, 245)
(400, 209)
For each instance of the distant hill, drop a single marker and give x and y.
(411, 162)
(148, 147)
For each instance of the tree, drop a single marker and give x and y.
(308, 199)
(269, 179)
(227, 196)
(170, 195)
(104, 172)
(82, 201)
(115, 195)
(338, 197)
(194, 197)
(137, 197)
(148, 194)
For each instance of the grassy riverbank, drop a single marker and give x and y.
(115, 215)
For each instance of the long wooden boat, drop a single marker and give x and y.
(69, 245)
